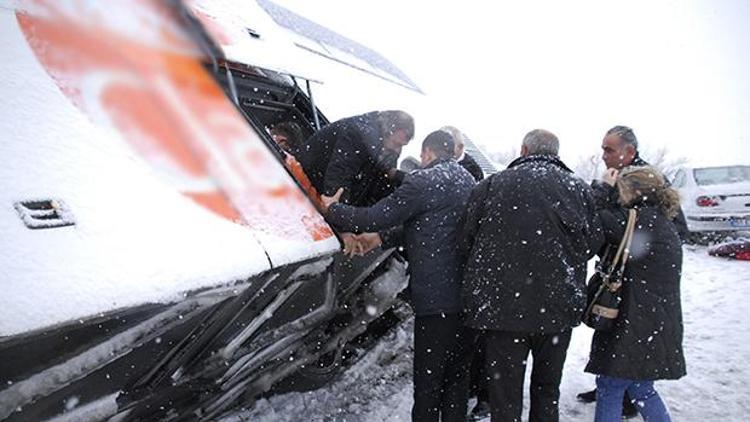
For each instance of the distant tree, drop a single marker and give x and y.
(662, 159)
(589, 167)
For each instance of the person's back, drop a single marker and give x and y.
(430, 236)
(645, 343)
(531, 249)
(528, 233)
(650, 302)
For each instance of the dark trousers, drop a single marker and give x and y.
(441, 358)
(478, 373)
(506, 365)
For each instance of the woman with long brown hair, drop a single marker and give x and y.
(645, 343)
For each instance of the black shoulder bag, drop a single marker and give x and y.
(604, 286)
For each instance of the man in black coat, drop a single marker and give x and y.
(464, 159)
(528, 233)
(356, 154)
(428, 205)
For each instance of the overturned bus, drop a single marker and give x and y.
(160, 259)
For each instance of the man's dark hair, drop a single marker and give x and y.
(626, 134)
(393, 120)
(291, 130)
(440, 142)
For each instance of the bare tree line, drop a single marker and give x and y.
(590, 167)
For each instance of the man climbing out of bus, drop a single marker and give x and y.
(357, 154)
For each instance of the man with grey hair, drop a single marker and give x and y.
(620, 148)
(464, 159)
(540, 141)
(527, 235)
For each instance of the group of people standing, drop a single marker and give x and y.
(500, 266)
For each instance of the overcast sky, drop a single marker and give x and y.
(678, 72)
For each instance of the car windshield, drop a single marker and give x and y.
(722, 175)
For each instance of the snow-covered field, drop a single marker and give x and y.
(715, 293)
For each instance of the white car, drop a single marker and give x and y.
(715, 199)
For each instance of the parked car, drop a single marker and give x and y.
(715, 199)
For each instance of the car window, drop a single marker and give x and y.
(679, 179)
(722, 175)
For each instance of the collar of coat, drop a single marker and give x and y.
(638, 161)
(437, 161)
(540, 158)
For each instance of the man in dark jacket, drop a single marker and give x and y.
(464, 159)
(528, 234)
(355, 154)
(620, 150)
(429, 205)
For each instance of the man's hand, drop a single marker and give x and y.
(368, 242)
(610, 176)
(360, 244)
(327, 201)
(351, 245)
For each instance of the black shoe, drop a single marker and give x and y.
(480, 411)
(628, 409)
(587, 397)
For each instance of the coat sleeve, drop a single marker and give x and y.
(613, 222)
(393, 237)
(595, 232)
(347, 159)
(472, 216)
(389, 212)
(605, 196)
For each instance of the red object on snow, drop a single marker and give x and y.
(738, 249)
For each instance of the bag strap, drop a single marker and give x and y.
(629, 232)
(623, 251)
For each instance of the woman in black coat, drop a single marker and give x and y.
(645, 343)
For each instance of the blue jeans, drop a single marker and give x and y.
(609, 393)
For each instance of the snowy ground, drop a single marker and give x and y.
(717, 347)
